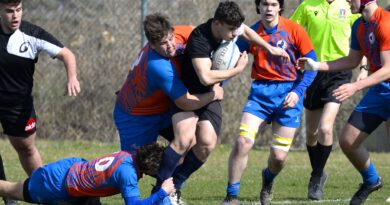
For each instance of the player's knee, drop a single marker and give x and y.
(243, 143)
(345, 144)
(279, 160)
(325, 131)
(183, 144)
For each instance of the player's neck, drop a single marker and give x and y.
(270, 24)
(369, 10)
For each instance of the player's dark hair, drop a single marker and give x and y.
(156, 27)
(281, 3)
(10, 1)
(149, 158)
(230, 13)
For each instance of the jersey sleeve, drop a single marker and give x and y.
(126, 174)
(153, 199)
(308, 77)
(163, 74)
(354, 40)
(47, 42)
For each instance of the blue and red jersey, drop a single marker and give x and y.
(294, 40)
(154, 81)
(289, 36)
(105, 176)
(372, 37)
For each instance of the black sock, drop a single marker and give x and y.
(324, 152)
(190, 164)
(168, 164)
(313, 152)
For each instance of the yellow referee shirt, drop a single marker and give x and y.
(328, 26)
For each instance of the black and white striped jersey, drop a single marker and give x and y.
(18, 54)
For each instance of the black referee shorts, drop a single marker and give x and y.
(320, 91)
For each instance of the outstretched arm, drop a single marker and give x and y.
(345, 63)
(166, 188)
(69, 60)
(346, 90)
(251, 36)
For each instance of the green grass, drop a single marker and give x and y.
(207, 185)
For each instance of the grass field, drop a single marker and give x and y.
(207, 186)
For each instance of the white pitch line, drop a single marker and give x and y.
(300, 202)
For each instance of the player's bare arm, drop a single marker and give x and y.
(209, 77)
(347, 90)
(251, 36)
(190, 102)
(69, 60)
(346, 63)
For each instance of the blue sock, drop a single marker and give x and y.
(190, 164)
(269, 176)
(168, 164)
(370, 176)
(232, 189)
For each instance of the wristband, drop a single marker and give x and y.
(365, 67)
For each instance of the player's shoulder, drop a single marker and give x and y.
(290, 24)
(384, 16)
(30, 29)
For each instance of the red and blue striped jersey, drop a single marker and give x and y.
(154, 81)
(372, 37)
(288, 35)
(105, 176)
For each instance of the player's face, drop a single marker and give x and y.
(269, 11)
(11, 16)
(167, 46)
(355, 6)
(227, 32)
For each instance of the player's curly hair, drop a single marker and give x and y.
(149, 158)
(230, 13)
(156, 27)
(281, 3)
(10, 1)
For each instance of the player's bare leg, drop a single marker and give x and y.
(319, 133)
(351, 143)
(28, 153)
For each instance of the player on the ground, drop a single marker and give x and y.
(276, 97)
(78, 181)
(333, 19)
(370, 38)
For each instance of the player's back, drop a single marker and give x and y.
(103, 176)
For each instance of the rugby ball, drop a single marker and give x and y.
(226, 56)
